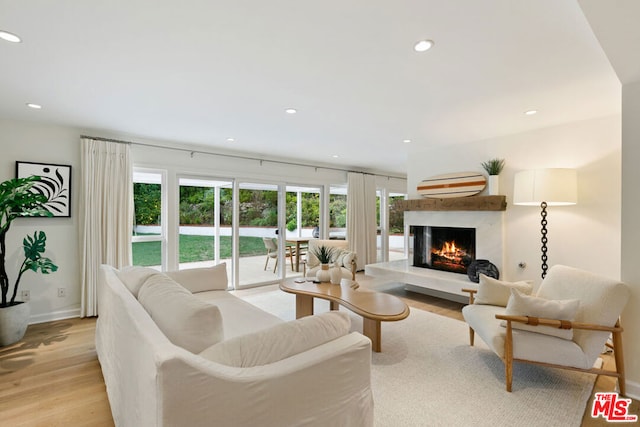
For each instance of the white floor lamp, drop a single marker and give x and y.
(545, 187)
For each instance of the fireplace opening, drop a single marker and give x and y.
(443, 248)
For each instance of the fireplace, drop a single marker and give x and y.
(443, 248)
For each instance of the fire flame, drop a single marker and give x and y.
(449, 250)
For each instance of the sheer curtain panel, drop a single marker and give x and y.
(361, 217)
(106, 213)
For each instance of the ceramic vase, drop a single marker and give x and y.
(494, 185)
(335, 275)
(323, 274)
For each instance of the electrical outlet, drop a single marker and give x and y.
(62, 292)
(26, 295)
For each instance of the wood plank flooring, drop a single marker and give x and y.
(53, 378)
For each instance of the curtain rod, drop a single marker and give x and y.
(235, 156)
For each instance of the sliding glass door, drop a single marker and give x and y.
(302, 223)
(258, 245)
(205, 215)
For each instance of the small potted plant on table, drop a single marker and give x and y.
(325, 256)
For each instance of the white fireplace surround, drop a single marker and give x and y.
(489, 227)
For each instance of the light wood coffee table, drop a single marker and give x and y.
(374, 307)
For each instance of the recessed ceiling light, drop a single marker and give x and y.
(291, 111)
(34, 106)
(231, 140)
(335, 156)
(530, 112)
(10, 37)
(423, 45)
(406, 141)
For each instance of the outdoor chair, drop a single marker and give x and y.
(271, 244)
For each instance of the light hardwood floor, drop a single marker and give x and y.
(53, 378)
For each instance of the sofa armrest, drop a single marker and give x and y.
(472, 293)
(354, 266)
(557, 323)
(337, 373)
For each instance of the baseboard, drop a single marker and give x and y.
(56, 315)
(633, 389)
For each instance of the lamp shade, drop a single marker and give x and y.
(556, 187)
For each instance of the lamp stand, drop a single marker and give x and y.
(543, 239)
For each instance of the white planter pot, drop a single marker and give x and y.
(494, 185)
(323, 274)
(13, 323)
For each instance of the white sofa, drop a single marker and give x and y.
(245, 367)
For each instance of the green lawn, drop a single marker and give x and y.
(196, 248)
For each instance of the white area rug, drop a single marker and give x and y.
(428, 375)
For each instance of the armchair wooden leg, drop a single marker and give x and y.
(472, 335)
(508, 357)
(619, 358)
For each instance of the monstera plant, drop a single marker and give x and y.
(17, 200)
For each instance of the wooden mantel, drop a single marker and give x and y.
(471, 203)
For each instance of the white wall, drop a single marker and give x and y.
(47, 144)
(631, 232)
(586, 235)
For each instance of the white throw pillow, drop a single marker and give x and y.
(133, 277)
(184, 319)
(497, 292)
(202, 279)
(525, 305)
(347, 259)
(338, 258)
(279, 342)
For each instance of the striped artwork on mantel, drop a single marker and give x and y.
(459, 184)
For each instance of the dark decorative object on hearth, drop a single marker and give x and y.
(482, 266)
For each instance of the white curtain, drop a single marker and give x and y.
(361, 217)
(106, 213)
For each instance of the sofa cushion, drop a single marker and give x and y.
(497, 292)
(202, 279)
(133, 277)
(525, 305)
(185, 320)
(280, 341)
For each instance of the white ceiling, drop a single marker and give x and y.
(201, 71)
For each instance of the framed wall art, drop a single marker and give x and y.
(55, 184)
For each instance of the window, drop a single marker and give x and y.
(338, 212)
(396, 228)
(149, 228)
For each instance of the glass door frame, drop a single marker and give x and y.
(280, 227)
(216, 222)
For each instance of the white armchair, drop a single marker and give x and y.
(565, 325)
(344, 258)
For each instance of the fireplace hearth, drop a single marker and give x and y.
(443, 248)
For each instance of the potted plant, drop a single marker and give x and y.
(493, 167)
(18, 200)
(325, 256)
